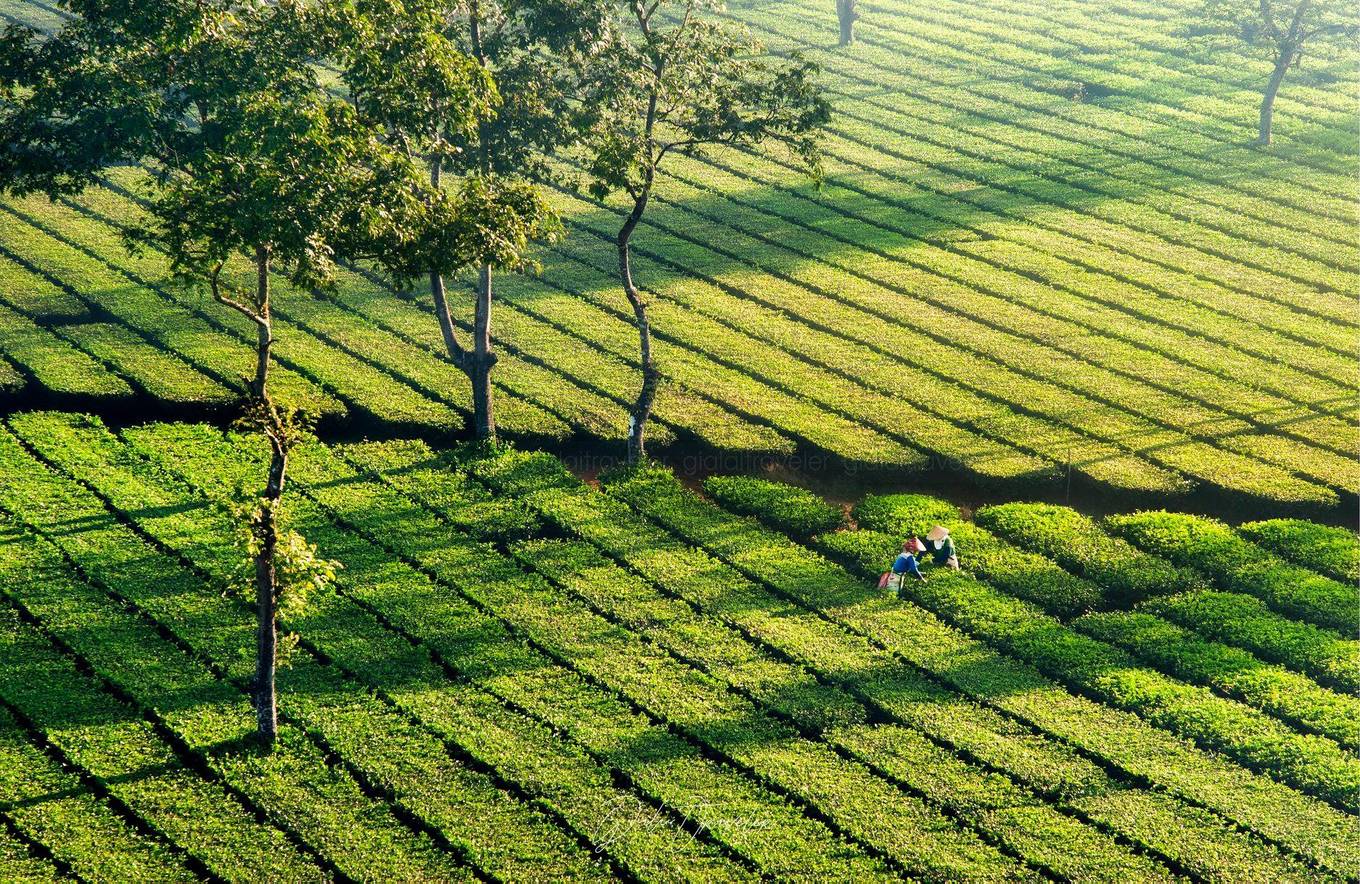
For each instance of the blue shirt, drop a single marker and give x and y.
(905, 563)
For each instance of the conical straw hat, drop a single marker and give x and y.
(939, 532)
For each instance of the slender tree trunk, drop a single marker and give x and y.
(651, 378)
(1268, 100)
(266, 597)
(846, 11)
(264, 332)
(483, 360)
(440, 295)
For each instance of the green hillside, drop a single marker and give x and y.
(1043, 239)
(520, 677)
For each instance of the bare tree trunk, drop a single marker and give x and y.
(457, 355)
(264, 333)
(266, 595)
(1268, 100)
(651, 378)
(483, 360)
(846, 11)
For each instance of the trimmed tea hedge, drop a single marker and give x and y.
(1333, 551)
(1128, 743)
(1246, 622)
(1125, 572)
(1231, 671)
(1240, 565)
(795, 511)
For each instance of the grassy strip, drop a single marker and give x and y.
(182, 331)
(526, 376)
(1196, 457)
(1128, 74)
(869, 809)
(78, 356)
(990, 435)
(1089, 254)
(1012, 99)
(1239, 565)
(410, 768)
(1219, 254)
(1137, 97)
(92, 261)
(1124, 572)
(90, 257)
(1196, 841)
(855, 216)
(685, 288)
(795, 511)
(1309, 763)
(1231, 671)
(53, 362)
(1121, 740)
(1150, 186)
(1149, 34)
(127, 754)
(712, 797)
(1246, 622)
(528, 754)
(19, 866)
(923, 205)
(53, 807)
(584, 303)
(990, 803)
(1335, 552)
(727, 644)
(1174, 650)
(532, 405)
(298, 787)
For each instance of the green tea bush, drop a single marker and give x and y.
(1329, 550)
(1309, 763)
(1240, 565)
(1126, 573)
(903, 513)
(1246, 622)
(1232, 671)
(795, 511)
(863, 551)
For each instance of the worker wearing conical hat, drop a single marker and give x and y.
(940, 547)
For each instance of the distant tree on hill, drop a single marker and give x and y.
(1280, 30)
(848, 13)
(484, 91)
(678, 81)
(251, 159)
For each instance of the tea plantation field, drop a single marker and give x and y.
(518, 676)
(1044, 246)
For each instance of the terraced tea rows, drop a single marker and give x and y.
(1042, 248)
(519, 676)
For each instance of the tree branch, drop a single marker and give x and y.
(214, 280)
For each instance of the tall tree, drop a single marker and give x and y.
(290, 185)
(677, 80)
(1282, 31)
(483, 91)
(251, 160)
